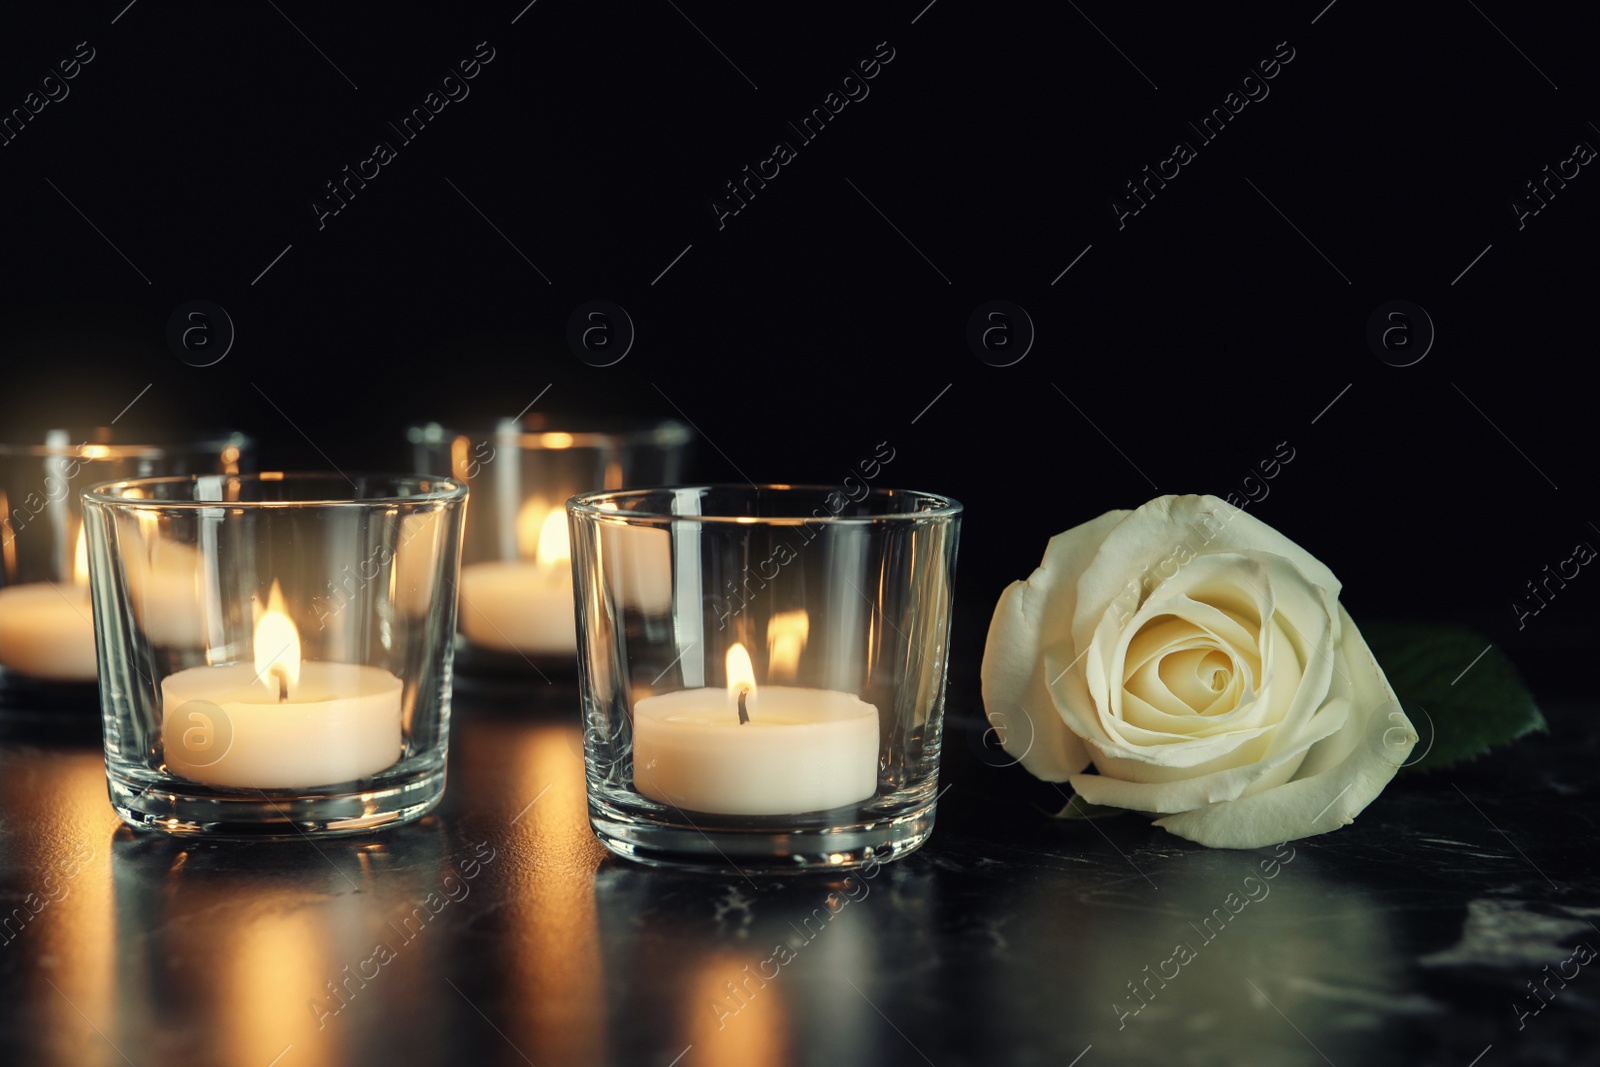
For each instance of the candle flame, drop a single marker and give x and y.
(80, 559)
(461, 458)
(741, 677)
(531, 517)
(277, 645)
(786, 639)
(555, 544)
(149, 528)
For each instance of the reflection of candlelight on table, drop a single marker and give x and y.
(280, 722)
(268, 961)
(524, 605)
(722, 986)
(533, 773)
(67, 926)
(749, 749)
(47, 628)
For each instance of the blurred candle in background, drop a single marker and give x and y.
(47, 628)
(524, 605)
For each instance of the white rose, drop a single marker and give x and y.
(1202, 663)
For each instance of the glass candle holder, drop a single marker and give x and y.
(46, 627)
(516, 577)
(275, 650)
(763, 671)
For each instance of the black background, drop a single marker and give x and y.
(1174, 356)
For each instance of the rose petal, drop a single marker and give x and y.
(1155, 542)
(1187, 793)
(1127, 741)
(1114, 636)
(1191, 625)
(1030, 617)
(1338, 779)
(1113, 729)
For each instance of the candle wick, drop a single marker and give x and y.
(744, 713)
(283, 683)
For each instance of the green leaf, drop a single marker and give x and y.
(1078, 808)
(1462, 694)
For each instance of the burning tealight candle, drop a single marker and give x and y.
(523, 605)
(47, 628)
(280, 722)
(744, 750)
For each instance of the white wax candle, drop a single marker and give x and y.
(638, 565)
(47, 631)
(519, 606)
(340, 723)
(802, 750)
(167, 593)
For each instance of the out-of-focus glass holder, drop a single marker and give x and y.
(516, 613)
(47, 659)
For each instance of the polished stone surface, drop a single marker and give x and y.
(498, 931)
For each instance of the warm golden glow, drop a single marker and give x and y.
(271, 962)
(95, 452)
(555, 544)
(80, 559)
(149, 527)
(8, 541)
(741, 677)
(277, 645)
(76, 938)
(786, 639)
(531, 518)
(735, 1009)
(552, 960)
(555, 440)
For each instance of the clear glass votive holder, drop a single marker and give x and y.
(516, 591)
(763, 671)
(46, 625)
(275, 650)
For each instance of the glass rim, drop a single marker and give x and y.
(103, 450)
(113, 493)
(589, 506)
(666, 431)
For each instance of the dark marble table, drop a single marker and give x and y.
(498, 931)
